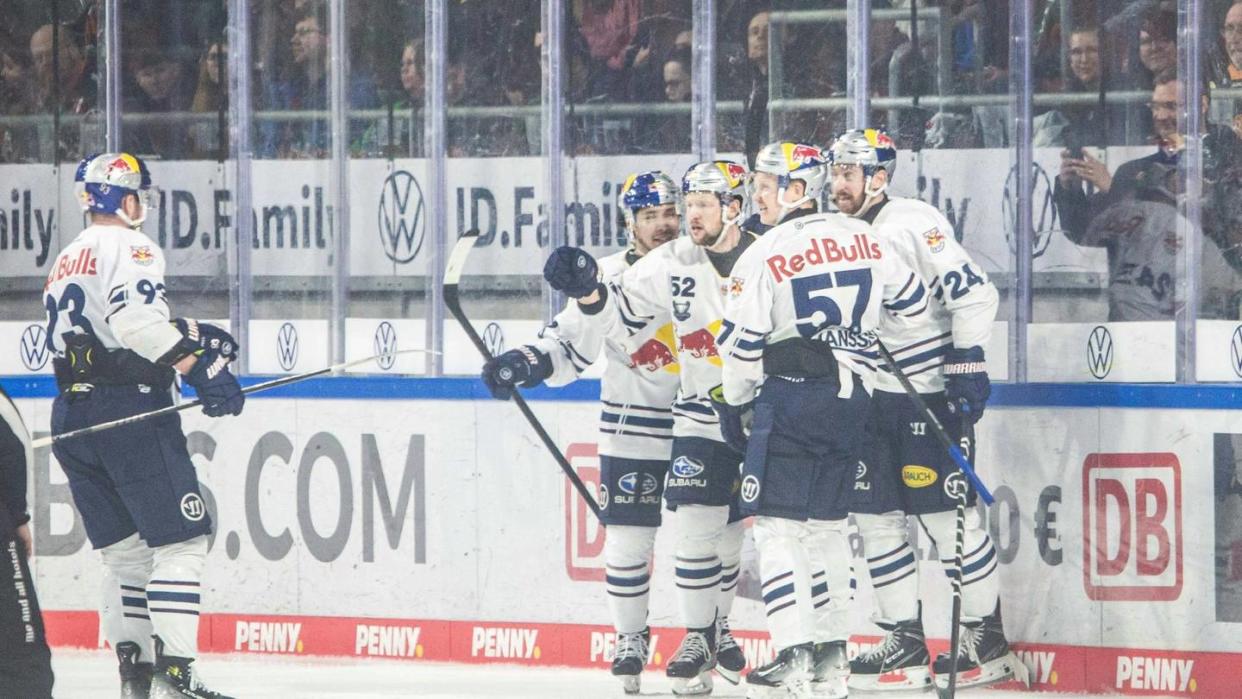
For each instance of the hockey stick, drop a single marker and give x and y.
(452, 275)
(968, 443)
(274, 383)
(954, 450)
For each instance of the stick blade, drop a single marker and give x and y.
(459, 255)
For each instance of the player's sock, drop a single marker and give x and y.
(730, 551)
(697, 569)
(832, 582)
(124, 614)
(627, 556)
(784, 568)
(980, 579)
(173, 595)
(892, 563)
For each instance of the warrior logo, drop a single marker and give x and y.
(192, 507)
(401, 224)
(34, 349)
(385, 345)
(1100, 352)
(750, 488)
(287, 346)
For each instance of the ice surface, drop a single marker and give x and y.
(92, 674)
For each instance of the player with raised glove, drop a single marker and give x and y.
(526, 366)
(572, 271)
(966, 384)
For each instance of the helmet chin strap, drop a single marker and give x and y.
(133, 223)
(870, 196)
(787, 206)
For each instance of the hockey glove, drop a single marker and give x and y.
(208, 336)
(966, 383)
(215, 386)
(734, 419)
(573, 271)
(525, 366)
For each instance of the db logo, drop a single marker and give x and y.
(584, 538)
(1132, 527)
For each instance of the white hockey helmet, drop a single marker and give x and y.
(872, 150)
(791, 161)
(724, 178)
(646, 189)
(107, 178)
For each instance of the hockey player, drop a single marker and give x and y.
(807, 584)
(25, 662)
(685, 284)
(116, 353)
(941, 351)
(636, 420)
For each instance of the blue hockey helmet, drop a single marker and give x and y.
(647, 189)
(107, 178)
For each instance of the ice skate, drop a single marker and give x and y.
(983, 656)
(632, 649)
(690, 667)
(899, 662)
(788, 675)
(830, 668)
(135, 675)
(730, 661)
(175, 679)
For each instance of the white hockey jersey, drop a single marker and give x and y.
(640, 379)
(110, 282)
(924, 240)
(824, 277)
(676, 283)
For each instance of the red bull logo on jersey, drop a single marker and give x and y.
(823, 251)
(653, 355)
(699, 344)
(141, 254)
(935, 239)
(802, 154)
(82, 263)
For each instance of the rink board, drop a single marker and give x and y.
(405, 506)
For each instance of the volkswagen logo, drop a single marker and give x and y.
(1044, 214)
(34, 349)
(401, 223)
(494, 339)
(287, 346)
(1100, 352)
(385, 345)
(1235, 350)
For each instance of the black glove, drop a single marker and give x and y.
(734, 419)
(208, 336)
(216, 387)
(966, 384)
(525, 366)
(573, 271)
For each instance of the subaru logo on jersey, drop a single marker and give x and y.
(685, 467)
(385, 345)
(494, 339)
(287, 346)
(401, 224)
(629, 483)
(1044, 213)
(1235, 351)
(1100, 352)
(192, 507)
(33, 347)
(750, 488)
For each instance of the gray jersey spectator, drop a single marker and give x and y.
(1136, 213)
